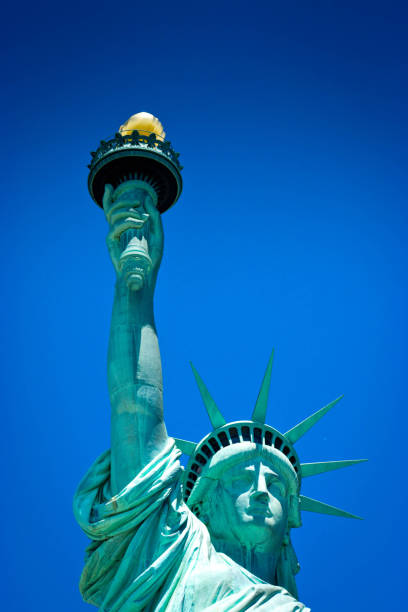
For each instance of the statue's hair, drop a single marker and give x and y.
(287, 566)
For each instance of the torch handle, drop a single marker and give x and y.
(127, 236)
(135, 261)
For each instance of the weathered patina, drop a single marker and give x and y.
(215, 536)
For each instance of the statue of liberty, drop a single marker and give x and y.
(215, 536)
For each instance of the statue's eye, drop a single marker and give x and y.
(244, 478)
(275, 485)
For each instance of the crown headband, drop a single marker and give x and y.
(257, 432)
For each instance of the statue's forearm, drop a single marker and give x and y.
(135, 385)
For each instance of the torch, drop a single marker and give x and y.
(140, 165)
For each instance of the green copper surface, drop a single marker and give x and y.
(299, 430)
(313, 505)
(215, 416)
(261, 405)
(218, 539)
(313, 469)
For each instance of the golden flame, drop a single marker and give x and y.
(145, 124)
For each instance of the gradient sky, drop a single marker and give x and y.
(290, 118)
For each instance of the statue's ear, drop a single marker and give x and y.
(294, 517)
(204, 509)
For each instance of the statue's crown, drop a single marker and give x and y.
(204, 455)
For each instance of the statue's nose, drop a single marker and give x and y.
(260, 492)
(260, 483)
(259, 496)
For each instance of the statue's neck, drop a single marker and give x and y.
(257, 561)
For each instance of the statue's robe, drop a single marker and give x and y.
(149, 552)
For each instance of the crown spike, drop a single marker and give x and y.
(312, 505)
(261, 405)
(216, 418)
(301, 428)
(313, 469)
(185, 446)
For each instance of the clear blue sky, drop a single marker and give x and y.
(290, 118)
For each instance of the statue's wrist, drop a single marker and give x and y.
(140, 300)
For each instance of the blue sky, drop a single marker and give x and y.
(290, 118)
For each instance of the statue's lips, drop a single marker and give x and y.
(259, 508)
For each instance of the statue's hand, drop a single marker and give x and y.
(146, 245)
(156, 238)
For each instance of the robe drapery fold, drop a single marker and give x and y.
(150, 553)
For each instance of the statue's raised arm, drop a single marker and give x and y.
(135, 243)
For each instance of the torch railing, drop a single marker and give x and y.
(136, 139)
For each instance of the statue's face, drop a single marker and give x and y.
(250, 505)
